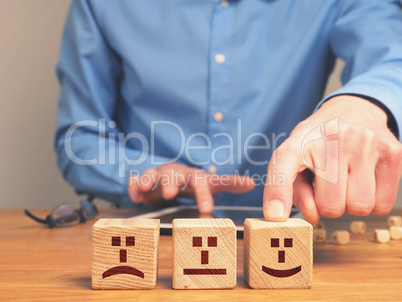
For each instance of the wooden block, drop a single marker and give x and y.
(319, 225)
(319, 235)
(125, 253)
(278, 254)
(382, 235)
(395, 232)
(341, 237)
(204, 253)
(358, 227)
(394, 221)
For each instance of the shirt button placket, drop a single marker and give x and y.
(219, 78)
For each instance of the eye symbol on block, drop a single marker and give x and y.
(197, 242)
(123, 269)
(288, 243)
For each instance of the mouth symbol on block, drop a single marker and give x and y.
(123, 270)
(197, 242)
(281, 273)
(204, 271)
(288, 243)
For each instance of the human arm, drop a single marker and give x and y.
(357, 162)
(93, 159)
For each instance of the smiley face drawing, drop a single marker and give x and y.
(125, 253)
(278, 254)
(288, 242)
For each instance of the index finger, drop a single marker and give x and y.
(282, 171)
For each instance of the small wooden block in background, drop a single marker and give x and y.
(358, 227)
(341, 237)
(278, 254)
(319, 225)
(395, 232)
(319, 235)
(204, 253)
(125, 253)
(394, 221)
(382, 235)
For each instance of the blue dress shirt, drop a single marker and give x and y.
(216, 85)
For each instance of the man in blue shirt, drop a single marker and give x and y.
(163, 100)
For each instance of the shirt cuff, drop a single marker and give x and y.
(386, 101)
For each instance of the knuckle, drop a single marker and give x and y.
(369, 135)
(381, 210)
(304, 126)
(384, 206)
(332, 210)
(165, 169)
(150, 171)
(360, 203)
(331, 213)
(135, 179)
(285, 151)
(361, 209)
(346, 129)
(393, 153)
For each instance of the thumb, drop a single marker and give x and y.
(283, 168)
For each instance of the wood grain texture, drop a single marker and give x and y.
(40, 264)
(204, 254)
(278, 254)
(125, 253)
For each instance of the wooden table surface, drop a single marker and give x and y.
(43, 264)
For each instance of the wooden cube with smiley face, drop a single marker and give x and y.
(204, 253)
(125, 253)
(278, 254)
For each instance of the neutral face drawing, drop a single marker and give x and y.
(197, 242)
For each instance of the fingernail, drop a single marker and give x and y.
(275, 209)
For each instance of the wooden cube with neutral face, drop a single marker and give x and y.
(125, 253)
(204, 254)
(278, 254)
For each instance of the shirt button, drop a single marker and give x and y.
(220, 58)
(218, 116)
(212, 169)
(224, 3)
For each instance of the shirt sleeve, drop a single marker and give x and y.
(91, 150)
(367, 35)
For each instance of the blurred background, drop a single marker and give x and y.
(31, 34)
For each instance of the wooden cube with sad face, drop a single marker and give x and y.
(125, 253)
(204, 253)
(278, 254)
